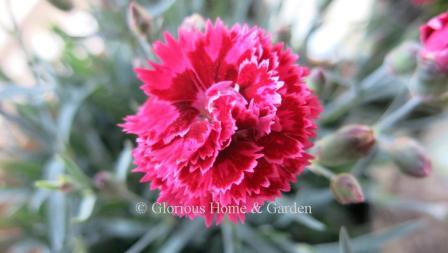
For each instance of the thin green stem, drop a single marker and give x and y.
(227, 237)
(352, 97)
(390, 120)
(321, 171)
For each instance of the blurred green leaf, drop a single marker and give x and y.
(180, 238)
(68, 111)
(123, 162)
(374, 241)
(154, 233)
(8, 92)
(64, 5)
(23, 167)
(256, 241)
(86, 207)
(344, 241)
(56, 208)
(227, 237)
(49, 185)
(75, 171)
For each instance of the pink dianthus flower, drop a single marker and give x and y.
(228, 120)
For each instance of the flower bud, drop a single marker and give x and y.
(110, 186)
(428, 81)
(410, 157)
(346, 189)
(193, 22)
(283, 34)
(139, 20)
(317, 80)
(403, 59)
(346, 145)
(103, 180)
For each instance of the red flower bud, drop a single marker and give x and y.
(410, 157)
(346, 145)
(346, 189)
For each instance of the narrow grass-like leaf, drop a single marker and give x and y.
(56, 208)
(344, 241)
(181, 237)
(49, 185)
(154, 233)
(373, 241)
(75, 171)
(123, 163)
(13, 91)
(86, 207)
(256, 241)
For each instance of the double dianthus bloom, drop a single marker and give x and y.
(228, 120)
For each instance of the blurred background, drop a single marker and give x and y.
(66, 81)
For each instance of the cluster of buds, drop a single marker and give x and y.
(345, 146)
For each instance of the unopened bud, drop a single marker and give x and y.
(193, 22)
(429, 81)
(103, 180)
(346, 189)
(317, 80)
(283, 34)
(403, 59)
(110, 186)
(410, 157)
(139, 21)
(346, 145)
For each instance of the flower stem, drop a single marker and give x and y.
(321, 171)
(227, 237)
(399, 114)
(352, 97)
